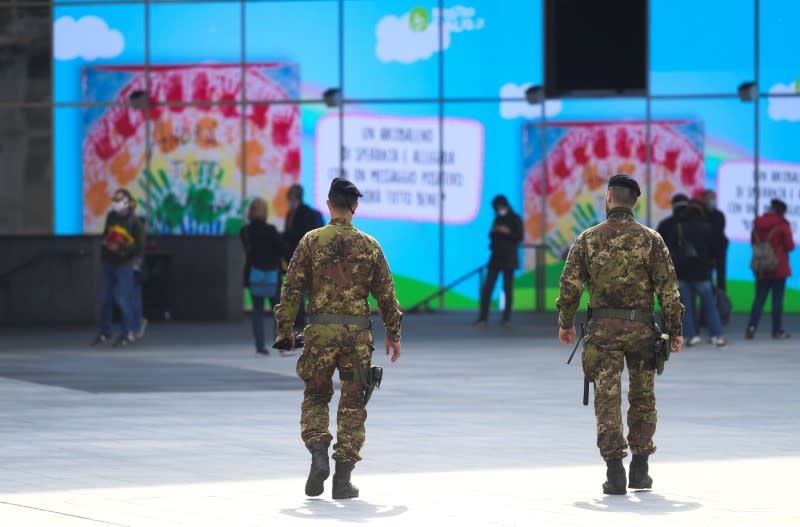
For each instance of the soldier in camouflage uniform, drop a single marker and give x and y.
(338, 266)
(623, 263)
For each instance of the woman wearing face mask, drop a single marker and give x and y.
(123, 242)
(505, 236)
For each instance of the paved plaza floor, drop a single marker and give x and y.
(471, 427)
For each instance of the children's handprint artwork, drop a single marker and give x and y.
(582, 156)
(194, 181)
(193, 202)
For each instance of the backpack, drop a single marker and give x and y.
(764, 259)
(686, 251)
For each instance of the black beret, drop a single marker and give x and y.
(344, 186)
(621, 180)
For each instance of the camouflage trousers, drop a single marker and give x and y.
(328, 348)
(614, 342)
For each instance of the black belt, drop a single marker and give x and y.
(348, 320)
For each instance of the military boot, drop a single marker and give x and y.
(342, 488)
(615, 477)
(638, 477)
(320, 469)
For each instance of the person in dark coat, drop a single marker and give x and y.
(774, 227)
(300, 220)
(687, 234)
(719, 242)
(264, 251)
(505, 236)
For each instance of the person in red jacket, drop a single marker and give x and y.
(774, 226)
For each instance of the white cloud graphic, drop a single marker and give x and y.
(406, 40)
(785, 108)
(517, 109)
(398, 42)
(88, 38)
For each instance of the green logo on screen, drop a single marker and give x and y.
(418, 19)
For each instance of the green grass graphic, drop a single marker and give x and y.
(410, 291)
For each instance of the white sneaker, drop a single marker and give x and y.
(140, 334)
(694, 341)
(720, 341)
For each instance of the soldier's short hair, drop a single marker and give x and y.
(342, 201)
(623, 196)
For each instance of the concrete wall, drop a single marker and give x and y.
(205, 276)
(56, 280)
(44, 279)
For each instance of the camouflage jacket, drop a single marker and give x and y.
(338, 266)
(624, 263)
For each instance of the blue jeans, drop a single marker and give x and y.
(117, 289)
(258, 320)
(688, 288)
(763, 287)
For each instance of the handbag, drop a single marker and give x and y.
(263, 284)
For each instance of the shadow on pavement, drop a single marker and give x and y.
(350, 511)
(638, 502)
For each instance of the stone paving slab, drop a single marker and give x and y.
(109, 374)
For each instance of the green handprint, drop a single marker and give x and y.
(167, 208)
(555, 244)
(201, 196)
(584, 216)
(234, 223)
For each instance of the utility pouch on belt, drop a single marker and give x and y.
(655, 357)
(370, 378)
